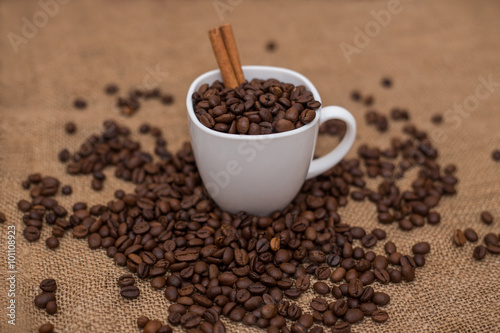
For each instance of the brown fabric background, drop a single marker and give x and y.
(435, 51)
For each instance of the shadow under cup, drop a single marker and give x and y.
(258, 174)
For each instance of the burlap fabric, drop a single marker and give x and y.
(438, 53)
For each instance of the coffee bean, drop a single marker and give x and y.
(46, 328)
(490, 239)
(459, 237)
(437, 119)
(379, 316)
(130, 292)
(495, 155)
(48, 285)
(94, 240)
(421, 248)
(52, 242)
(79, 103)
(353, 316)
(381, 298)
(341, 327)
(486, 217)
(31, 234)
(321, 288)
(271, 46)
(70, 127)
(471, 235)
(51, 307)
(111, 89)
(386, 82)
(152, 326)
(66, 190)
(379, 233)
(126, 280)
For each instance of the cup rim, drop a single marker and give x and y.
(247, 137)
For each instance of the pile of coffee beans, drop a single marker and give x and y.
(250, 269)
(113, 147)
(255, 107)
(47, 300)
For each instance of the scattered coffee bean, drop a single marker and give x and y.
(52, 242)
(421, 248)
(79, 103)
(70, 127)
(495, 155)
(380, 316)
(437, 119)
(66, 190)
(3, 218)
(167, 99)
(46, 328)
(48, 285)
(130, 292)
(459, 237)
(486, 217)
(479, 252)
(64, 155)
(111, 89)
(271, 46)
(386, 82)
(471, 235)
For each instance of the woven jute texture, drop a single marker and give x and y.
(440, 54)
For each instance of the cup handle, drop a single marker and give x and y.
(322, 164)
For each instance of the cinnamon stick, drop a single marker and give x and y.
(232, 51)
(222, 57)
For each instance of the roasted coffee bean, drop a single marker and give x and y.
(421, 248)
(48, 285)
(31, 234)
(379, 316)
(70, 127)
(79, 103)
(52, 242)
(486, 217)
(353, 316)
(130, 292)
(381, 298)
(341, 327)
(495, 155)
(459, 237)
(46, 328)
(471, 235)
(321, 288)
(66, 190)
(152, 326)
(51, 307)
(126, 280)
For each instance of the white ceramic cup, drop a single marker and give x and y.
(260, 174)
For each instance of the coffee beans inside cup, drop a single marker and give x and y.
(254, 108)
